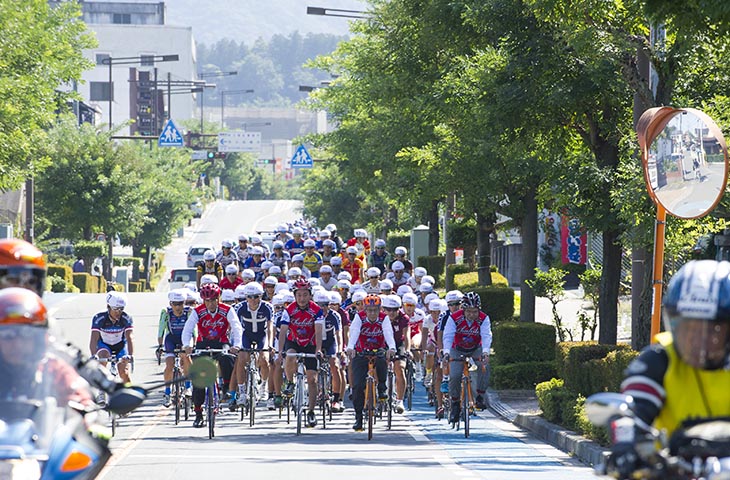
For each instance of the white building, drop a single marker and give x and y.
(138, 30)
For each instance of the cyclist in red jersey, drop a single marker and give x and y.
(302, 324)
(368, 332)
(400, 323)
(353, 265)
(213, 320)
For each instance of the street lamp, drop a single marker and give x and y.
(323, 11)
(139, 60)
(202, 94)
(310, 88)
(223, 100)
(256, 124)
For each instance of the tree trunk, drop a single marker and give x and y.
(146, 264)
(641, 324)
(109, 267)
(450, 256)
(610, 278)
(433, 229)
(529, 255)
(485, 227)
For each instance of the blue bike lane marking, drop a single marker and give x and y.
(490, 451)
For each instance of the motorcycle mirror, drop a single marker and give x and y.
(203, 372)
(602, 407)
(125, 400)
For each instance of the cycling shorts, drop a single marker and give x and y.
(259, 338)
(118, 350)
(309, 363)
(172, 342)
(329, 346)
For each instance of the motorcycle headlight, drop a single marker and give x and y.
(20, 469)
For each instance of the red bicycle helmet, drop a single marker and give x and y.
(210, 291)
(301, 284)
(22, 265)
(21, 306)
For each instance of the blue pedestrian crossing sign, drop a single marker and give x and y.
(302, 158)
(170, 136)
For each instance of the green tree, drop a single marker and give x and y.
(40, 52)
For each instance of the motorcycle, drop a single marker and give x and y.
(43, 439)
(699, 449)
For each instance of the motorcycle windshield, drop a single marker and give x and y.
(36, 387)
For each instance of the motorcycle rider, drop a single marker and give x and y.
(684, 375)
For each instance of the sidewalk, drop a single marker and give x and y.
(520, 407)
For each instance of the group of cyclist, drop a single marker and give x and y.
(314, 293)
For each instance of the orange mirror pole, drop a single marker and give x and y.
(656, 309)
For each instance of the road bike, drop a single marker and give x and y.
(410, 374)
(179, 397)
(301, 399)
(252, 375)
(324, 397)
(212, 393)
(466, 399)
(390, 384)
(371, 397)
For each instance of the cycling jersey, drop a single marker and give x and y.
(416, 321)
(226, 260)
(312, 263)
(397, 282)
(462, 334)
(371, 289)
(400, 325)
(256, 267)
(281, 261)
(369, 335)
(171, 323)
(301, 323)
(328, 284)
(219, 326)
(254, 322)
(406, 263)
(111, 333)
(241, 253)
(363, 249)
(332, 324)
(344, 317)
(380, 261)
(327, 257)
(353, 268)
(216, 269)
(227, 284)
(294, 247)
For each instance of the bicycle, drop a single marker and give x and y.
(212, 395)
(112, 361)
(466, 399)
(371, 397)
(390, 383)
(300, 393)
(252, 372)
(178, 388)
(325, 396)
(410, 374)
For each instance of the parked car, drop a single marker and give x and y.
(180, 276)
(195, 254)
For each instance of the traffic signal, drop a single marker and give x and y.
(212, 155)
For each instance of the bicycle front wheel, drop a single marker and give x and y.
(299, 404)
(389, 404)
(370, 404)
(466, 394)
(210, 400)
(410, 385)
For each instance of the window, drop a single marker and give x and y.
(122, 18)
(100, 92)
(147, 60)
(101, 57)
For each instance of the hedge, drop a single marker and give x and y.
(606, 374)
(90, 249)
(62, 271)
(522, 375)
(516, 342)
(435, 266)
(135, 287)
(398, 239)
(497, 302)
(86, 283)
(470, 280)
(572, 365)
(452, 270)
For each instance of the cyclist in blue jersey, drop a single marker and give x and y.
(254, 262)
(169, 336)
(279, 257)
(111, 334)
(296, 244)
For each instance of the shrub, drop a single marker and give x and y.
(607, 373)
(470, 280)
(64, 272)
(435, 266)
(90, 249)
(522, 375)
(572, 364)
(585, 427)
(86, 283)
(497, 302)
(397, 239)
(551, 396)
(455, 269)
(56, 284)
(135, 287)
(516, 342)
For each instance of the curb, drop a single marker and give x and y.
(585, 450)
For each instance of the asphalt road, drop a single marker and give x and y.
(149, 445)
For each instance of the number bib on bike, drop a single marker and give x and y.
(213, 326)
(371, 334)
(468, 334)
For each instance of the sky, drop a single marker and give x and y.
(247, 20)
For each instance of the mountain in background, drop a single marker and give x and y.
(248, 20)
